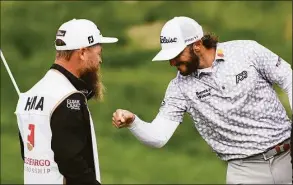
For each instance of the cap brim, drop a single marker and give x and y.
(168, 54)
(108, 40)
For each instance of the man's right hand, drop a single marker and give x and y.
(122, 118)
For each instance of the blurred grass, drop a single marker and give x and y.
(133, 82)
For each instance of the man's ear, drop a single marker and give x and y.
(82, 53)
(196, 46)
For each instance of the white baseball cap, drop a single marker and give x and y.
(176, 34)
(79, 33)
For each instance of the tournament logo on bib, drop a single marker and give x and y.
(31, 137)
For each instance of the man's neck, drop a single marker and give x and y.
(207, 58)
(68, 66)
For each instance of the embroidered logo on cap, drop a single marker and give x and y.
(91, 39)
(191, 39)
(167, 39)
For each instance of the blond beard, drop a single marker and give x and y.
(93, 78)
(100, 88)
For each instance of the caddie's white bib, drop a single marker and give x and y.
(34, 110)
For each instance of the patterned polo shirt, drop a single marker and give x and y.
(233, 104)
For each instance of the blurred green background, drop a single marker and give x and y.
(133, 82)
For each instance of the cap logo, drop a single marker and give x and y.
(191, 39)
(90, 39)
(168, 40)
(61, 33)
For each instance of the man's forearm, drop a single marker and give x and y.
(155, 134)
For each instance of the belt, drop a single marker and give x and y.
(272, 152)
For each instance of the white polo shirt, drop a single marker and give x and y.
(233, 105)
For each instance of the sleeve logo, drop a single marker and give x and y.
(278, 62)
(163, 103)
(73, 104)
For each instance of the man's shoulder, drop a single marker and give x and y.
(177, 81)
(52, 84)
(72, 103)
(239, 48)
(53, 87)
(238, 43)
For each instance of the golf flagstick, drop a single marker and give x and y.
(9, 72)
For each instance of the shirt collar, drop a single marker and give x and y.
(219, 57)
(78, 83)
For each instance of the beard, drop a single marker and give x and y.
(92, 77)
(191, 66)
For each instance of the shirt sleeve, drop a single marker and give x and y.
(273, 68)
(174, 104)
(69, 140)
(155, 134)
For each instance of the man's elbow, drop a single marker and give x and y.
(158, 143)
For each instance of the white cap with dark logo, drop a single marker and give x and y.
(79, 33)
(176, 34)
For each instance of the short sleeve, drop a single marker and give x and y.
(174, 104)
(270, 66)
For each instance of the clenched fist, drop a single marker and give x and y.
(122, 118)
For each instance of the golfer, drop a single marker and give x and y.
(56, 129)
(227, 89)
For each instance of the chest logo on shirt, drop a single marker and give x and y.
(204, 93)
(73, 104)
(241, 76)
